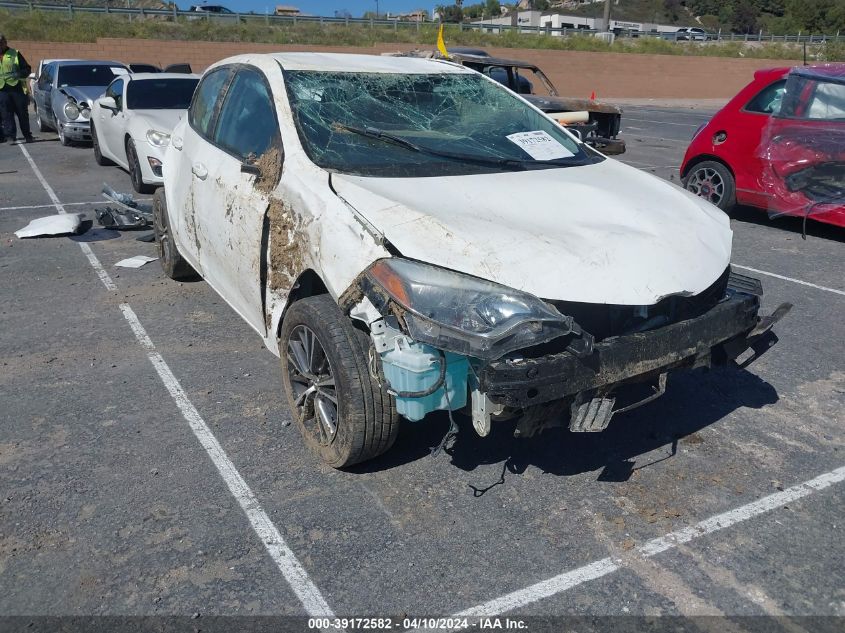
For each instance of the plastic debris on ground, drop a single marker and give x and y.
(127, 215)
(64, 224)
(135, 262)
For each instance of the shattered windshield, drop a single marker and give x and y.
(413, 125)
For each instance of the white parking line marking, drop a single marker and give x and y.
(568, 580)
(64, 204)
(653, 138)
(630, 118)
(92, 259)
(282, 555)
(795, 281)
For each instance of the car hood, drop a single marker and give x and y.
(161, 120)
(602, 233)
(85, 94)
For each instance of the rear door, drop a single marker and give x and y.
(231, 210)
(191, 144)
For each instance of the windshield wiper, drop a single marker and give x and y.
(387, 137)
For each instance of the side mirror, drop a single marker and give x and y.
(249, 168)
(108, 103)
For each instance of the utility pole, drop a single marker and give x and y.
(376, 9)
(606, 15)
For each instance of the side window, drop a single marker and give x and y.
(247, 123)
(768, 99)
(202, 107)
(115, 91)
(46, 77)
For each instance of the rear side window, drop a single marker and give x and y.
(767, 101)
(201, 113)
(247, 123)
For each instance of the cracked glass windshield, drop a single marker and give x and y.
(412, 125)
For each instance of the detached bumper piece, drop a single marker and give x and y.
(592, 384)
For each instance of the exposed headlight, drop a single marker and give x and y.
(467, 315)
(85, 113)
(158, 139)
(71, 111)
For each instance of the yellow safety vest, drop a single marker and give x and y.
(9, 68)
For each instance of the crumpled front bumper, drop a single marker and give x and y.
(717, 337)
(77, 130)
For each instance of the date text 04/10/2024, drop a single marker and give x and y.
(430, 624)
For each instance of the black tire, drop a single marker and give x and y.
(714, 182)
(172, 262)
(366, 421)
(98, 156)
(63, 139)
(135, 175)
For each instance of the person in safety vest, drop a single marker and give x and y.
(14, 71)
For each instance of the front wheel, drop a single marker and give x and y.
(135, 175)
(343, 414)
(63, 138)
(714, 182)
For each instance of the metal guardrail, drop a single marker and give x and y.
(174, 14)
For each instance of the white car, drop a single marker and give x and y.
(132, 121)
(409, 236)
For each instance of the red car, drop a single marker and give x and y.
(778, 145)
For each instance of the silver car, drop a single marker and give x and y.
(65, 91)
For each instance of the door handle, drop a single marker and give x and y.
(176, 141)
(199, 170)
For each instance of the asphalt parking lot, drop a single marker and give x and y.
(149, 466)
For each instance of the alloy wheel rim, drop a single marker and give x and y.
(313, 384)
(708, 184)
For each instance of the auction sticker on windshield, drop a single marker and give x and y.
(539, 145)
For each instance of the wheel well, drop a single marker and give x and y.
(308, 284)
(705, 157)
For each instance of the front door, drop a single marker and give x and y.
(232, 207)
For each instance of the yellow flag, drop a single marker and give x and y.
(441, 45)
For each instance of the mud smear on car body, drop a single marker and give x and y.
(270, 167)
(287, 241)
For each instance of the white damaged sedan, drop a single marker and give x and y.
(132, 121)
(410, 236)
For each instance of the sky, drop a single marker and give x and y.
(355, 8)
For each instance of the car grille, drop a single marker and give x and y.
(606, 320)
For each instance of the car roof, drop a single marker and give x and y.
(89, 62)
(160, 76)
(345, 62)
(825, 72)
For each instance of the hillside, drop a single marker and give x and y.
(740, 16)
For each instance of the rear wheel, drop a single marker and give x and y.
(98, 155)
(135, 175)
(172, 262)
(342, 413)
(713, 182)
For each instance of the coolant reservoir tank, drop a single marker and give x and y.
(415, 367)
